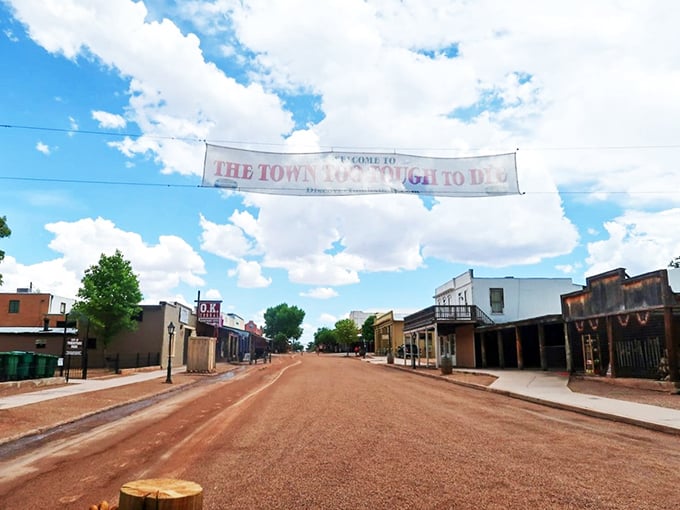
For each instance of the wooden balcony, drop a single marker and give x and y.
(448, 314)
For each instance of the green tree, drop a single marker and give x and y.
(4, 232)
(367, 332)
(280, 343)
(326, 338)
(346, 332)
(109, 297)
(283, 322)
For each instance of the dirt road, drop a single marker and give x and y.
(335, 433)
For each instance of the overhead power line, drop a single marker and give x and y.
(119, 134)
(89, 181)
(174, 185)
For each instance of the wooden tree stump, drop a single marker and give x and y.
(161, 494)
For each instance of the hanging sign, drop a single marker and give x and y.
(357, 173)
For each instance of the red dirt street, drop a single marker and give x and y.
(332, 432)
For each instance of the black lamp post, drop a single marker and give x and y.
(413, 356)
(63, 342)
(171, 333)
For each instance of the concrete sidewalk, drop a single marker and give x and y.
(550, 388)
(78, 386)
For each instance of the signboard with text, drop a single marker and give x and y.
(209, 312)
(74, 347)
(359, 173)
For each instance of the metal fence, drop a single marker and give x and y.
(120, 361)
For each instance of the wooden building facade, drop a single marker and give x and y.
(623, 326)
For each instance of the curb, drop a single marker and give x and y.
(68, 421)
(548, 403)
(171, 389)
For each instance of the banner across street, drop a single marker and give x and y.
(358, 173)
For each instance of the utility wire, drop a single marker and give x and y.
(234, 142)
(166, 185)
(344, 147)
(88, 181)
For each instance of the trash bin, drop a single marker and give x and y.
(25, 361)
(51, 365)
(12, 366)
(39, 365)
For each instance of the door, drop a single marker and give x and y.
(447, 347)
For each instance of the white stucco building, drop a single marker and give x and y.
(506, 299)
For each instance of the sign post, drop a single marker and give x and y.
(74, 347)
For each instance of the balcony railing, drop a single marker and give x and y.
(446, 313)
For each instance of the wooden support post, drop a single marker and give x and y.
(671, 347)
(612, 346)
(567, 348)
(161, 494)
(520, 355)
(501, 353)
(541, 347)
(435, 338)
(482, 339)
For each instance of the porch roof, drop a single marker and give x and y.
(445, 314)
(534, 321)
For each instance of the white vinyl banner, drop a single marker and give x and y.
(358, 173)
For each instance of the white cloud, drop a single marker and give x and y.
(326, 319)
(227, 241)
(638, 241)
(165, 98)
(160, 267)
(249, 275)
(320, 293)
(73, 126)
(41, 147)
(212, 294)
(49, 276)
(579, 97)
(108, 120)
(355, 235)
(10, 35)
(567, 268)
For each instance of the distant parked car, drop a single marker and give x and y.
(405, 350)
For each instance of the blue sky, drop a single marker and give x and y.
(105, 105)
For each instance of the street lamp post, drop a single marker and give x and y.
(413, 356)
(171, 333)
(63, 342)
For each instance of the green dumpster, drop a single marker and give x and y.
(24, 364)
(12, 360)
(39, 365)
(51, 365)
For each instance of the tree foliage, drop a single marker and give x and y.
(325, 338)
(4, 232)
(109, 297)
(280, 343)
(346, 332)
(367, 332)
(283, 323)
(675, 263)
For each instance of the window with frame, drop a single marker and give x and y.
(496, 300)
(13, 306)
